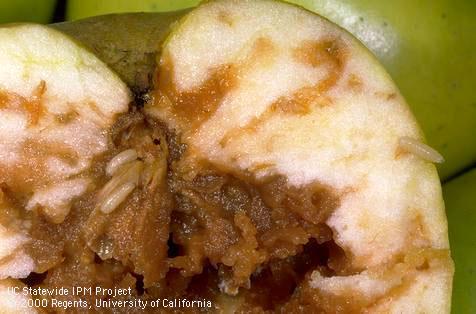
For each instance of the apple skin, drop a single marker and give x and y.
(78, 9)
(40, 11)
(129, 43)
(460, 199)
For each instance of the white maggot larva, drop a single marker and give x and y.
(117, 197)
(119, 160)
(419, 149)
(120, 186)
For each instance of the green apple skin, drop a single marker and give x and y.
(40, 11)
(78, 9)
(428, 47)
(460, 199)
(129, 43)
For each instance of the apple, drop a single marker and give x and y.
(460, 198)
(26, 11)
(265, 89)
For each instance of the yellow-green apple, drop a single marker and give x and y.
(460, 199)
(77, 9)
(26, 11)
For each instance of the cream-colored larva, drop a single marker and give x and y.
(419, 149)
(119, 160)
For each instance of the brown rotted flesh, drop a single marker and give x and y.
(220, 235)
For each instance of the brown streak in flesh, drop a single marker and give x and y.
(260, 167)
(31, 172)
(415, 262)
(262, 52)
(67, 118)
(94, 108)
(192, 108)
(328, 53)
(399, 153)
(391, 96)
(354, 82)
(386, 95)
(32, 105)
(225, 18)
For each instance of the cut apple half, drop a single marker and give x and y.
(295, 106)
(57, 104)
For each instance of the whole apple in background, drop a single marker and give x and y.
(40, 11)
(78, 9)
(460, 198)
